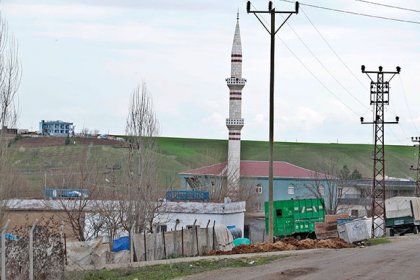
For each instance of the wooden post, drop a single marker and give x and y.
(196, 238)
(192, 239)
(31, 251)
(182, 241)
(63, 240)
(207, 236)
(65, 248)
(132, 243)
(145, 247)
(3, 250)
(174, 241)
(214, 235)
(164, 243)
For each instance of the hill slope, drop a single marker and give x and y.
(177, 154)
(198, 152)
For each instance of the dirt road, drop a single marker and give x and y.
(397, 260)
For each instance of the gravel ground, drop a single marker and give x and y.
(396, 260)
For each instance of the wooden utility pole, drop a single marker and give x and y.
(272, 31)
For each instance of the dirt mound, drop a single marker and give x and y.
(286, 244)
(335, 243)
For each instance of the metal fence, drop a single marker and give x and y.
(184, 195)
(33, 253)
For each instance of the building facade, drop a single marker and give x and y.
(355, 197)
(56, 128)
(289, 182)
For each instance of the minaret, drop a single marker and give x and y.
(235, 122)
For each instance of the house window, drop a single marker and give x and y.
(321, 190)
(354, 213)
(340, 192)
(291, 189)
(279, 213)
(163, 228)
(259, 189)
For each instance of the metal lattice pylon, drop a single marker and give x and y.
(417, 169)
(379, 97)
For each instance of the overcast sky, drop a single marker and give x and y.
(82, 58)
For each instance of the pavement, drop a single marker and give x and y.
(396, 260)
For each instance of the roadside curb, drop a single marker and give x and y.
(191, 259)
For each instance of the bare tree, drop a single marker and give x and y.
(78, 189)
(141, 185)
(10, 74)
(326, 184)
(332, 183)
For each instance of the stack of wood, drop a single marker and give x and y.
(328, 229)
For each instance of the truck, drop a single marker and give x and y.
(402, 215)
(296, 217)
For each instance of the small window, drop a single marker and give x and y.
(279, 213)
(291, 189)
(258, 189)
(354, 213)
(163, 228)
(340, 192)
(321, 190)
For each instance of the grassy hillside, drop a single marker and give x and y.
(178, 154)
(192, 153)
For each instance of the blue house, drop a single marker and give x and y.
(289, 182)
(56, 128)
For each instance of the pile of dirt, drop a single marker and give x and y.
(285, 244)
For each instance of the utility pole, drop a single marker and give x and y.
(417, 169)
(272, 31)
(379, 97)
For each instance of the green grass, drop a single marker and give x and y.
(377, 241)
(171, 271)
(180, 154)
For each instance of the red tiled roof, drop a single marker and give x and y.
(249, 168)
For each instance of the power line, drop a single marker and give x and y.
(332, 49)
(325, 68)
(354, 13)
(406, 104)
(316, 78)
(313, 74)
(389, 6)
